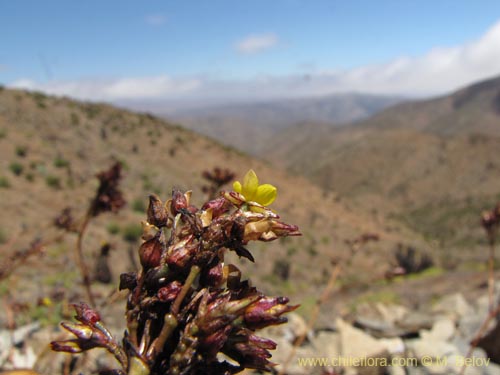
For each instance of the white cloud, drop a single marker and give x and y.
(439, 71)
(114, 90)
(156, 19)
(256, 43)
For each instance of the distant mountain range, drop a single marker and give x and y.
(433, 164)
(248, 126)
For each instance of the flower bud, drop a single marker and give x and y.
(179, 202)
(67, 346)
(150, 253)
(267, 311)
(218, 206)
(235, 198)
(157, 214)
(81, 331)
(149, 231)
(128, 281)
(86, 315)
(169, 292)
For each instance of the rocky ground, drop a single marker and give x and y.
(378, 338)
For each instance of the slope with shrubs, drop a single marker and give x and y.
(431, 164)
(51, 149)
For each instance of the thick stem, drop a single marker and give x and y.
(195, 270)
(169, 325)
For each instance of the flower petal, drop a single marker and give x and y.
(265, 194)
(250, 185)
(237, 187)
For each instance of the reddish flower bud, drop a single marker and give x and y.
(235, 198)
(267, 311)
(169, 292)
(219, 206)
(86, 315)
(157, 214)
(150, 253)
(214, 276)
(179, 202)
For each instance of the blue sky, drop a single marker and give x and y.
(214, 50)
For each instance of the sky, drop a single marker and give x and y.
(155, 51)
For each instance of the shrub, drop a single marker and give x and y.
(30, 177)
(3, 133)
(113, 228)
(21, 151)
(75, 120)
(53, 181)
(4, 182)
(16, 168)
(40, 98)
(60, 162)
(139, 205)
(132, 233)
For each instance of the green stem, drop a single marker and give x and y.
(195, 270)
(169, 324)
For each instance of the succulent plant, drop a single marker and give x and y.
(185, 306)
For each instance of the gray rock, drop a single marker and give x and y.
(326, 344)
(442, 330)
(355, 343)
(454, 305)
(424, 348)
(415, 321)
(395, 345)
(380, 319)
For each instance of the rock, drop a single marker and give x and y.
(296, 327)
(354, 343)
(396, 370)
(395, 345)
(326, 344)
(435, 357)
(469, 325)
(357, 345)
(429, 348)
(377, 328)
(380, 319)
(23, 358)
(282, 352)
(414, 322)
(391, 313)
(442, 330)
(454, 306)
(9, 340)
(491, 369)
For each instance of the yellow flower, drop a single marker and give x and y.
(253, 192)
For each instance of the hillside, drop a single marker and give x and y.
(247, 126)
(51, 149)
(432, 164)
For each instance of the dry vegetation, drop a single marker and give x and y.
(52, 148)
(59, 145)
